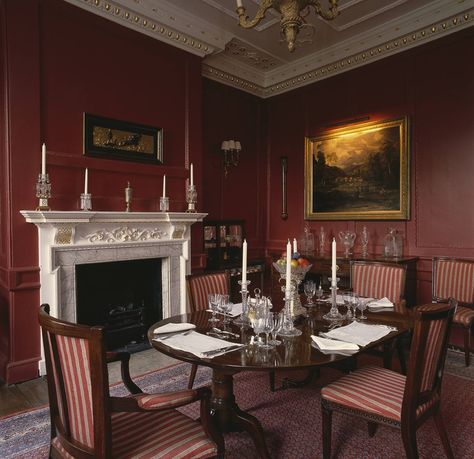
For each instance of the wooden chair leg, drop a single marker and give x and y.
(271, 376)
(192, 376)
(372, 427)
(326, 430)
(467, 345)
(443, 434)
(409, 442)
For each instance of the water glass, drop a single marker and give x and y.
(276, 320)
(226, 307)
(309, 291)
(213, 301)
(362, 305)
(348, 303)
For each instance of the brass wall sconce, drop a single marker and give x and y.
(292, 13)
(230, 154)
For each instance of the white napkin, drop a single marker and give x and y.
(359, 333)
(332, 345)
(235, 311)
(382, 303)
(173, 328)
(197, 344)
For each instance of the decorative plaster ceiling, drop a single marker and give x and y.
(258, 61)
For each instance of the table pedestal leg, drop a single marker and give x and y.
(228, 417)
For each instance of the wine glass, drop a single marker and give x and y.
(225, 307)
(348, 303)
(309, 291)
(213, 300)
(276, 319)
(319, 293)
(362, 305)
(267, 327)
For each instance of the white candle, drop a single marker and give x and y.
(191, 175)
(164, 185)
(239, 3)
(295, 245)
(244, 263)
(86, 180)
(333, 263)
(43, 159)
(288, 270)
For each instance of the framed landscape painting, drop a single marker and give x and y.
(115, 139)
(358, 172)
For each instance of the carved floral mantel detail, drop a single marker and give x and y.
(68, 239)
(125, 234)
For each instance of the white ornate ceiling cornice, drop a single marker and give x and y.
(233, 61)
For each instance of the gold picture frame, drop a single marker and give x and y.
(359, 172)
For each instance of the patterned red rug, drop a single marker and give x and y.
(290, 418)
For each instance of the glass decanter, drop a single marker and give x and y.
(347, 239)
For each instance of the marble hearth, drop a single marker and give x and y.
(67, 239)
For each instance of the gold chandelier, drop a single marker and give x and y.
(292, 15)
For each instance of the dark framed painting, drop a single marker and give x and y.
(358, 172)
(114, 139)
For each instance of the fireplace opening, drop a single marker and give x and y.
(123, 296)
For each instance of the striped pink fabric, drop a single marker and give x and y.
(463, 316)
(432, 353)
(55, 442)
(74, 358)
(453, 278)
(166, 434)
(62, 416)
(168, 400)
(371, 390)
(378, 281)
(201, 286)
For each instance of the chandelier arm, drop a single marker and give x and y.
(259, 15)
(325, 14)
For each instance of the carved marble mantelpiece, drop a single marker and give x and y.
(70, 238)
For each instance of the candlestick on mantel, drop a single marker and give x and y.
(86, 180)
(295, 246)
(43, 159)
(239, 3)
(244, 262)
(288, 270)
(333, 261)
(191, 175)
(164, 186)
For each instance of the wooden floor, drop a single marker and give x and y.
(34, 393)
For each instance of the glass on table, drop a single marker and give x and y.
(276, 320)
(347, 297)
(362, 306)
(213, 301)
(226, 307)
(309, 291)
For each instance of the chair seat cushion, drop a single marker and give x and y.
(463, 316)
(372, 390)
(166, 434)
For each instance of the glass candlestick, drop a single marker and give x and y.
(43, 191)
(86, 201)
(333, 313)
(288, 328)
(164, 203)
(244, 320)
(191, 198)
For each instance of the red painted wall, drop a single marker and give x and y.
(434, 86)
(52, 72)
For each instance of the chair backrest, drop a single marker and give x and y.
(453, 278)
(77, 386)
(432, 324)
(377, 280)
(200, 285)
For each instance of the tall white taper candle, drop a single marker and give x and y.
(239, 3)
(295, 245)
(86, 180)
(191, 175)
(43, 159)
(164, 185)
(244, 263)
(333, 261)
(288, 269)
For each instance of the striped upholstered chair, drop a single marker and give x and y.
(378, 280)
(87, 422)
(454, 278)
(382, 396)
(199, 286)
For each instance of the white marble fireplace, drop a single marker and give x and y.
(67, 239)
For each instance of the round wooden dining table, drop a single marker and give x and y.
(296, 353)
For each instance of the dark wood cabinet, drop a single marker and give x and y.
(223, 248)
